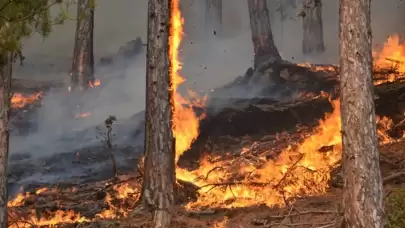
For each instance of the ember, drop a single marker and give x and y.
(83, 115)
(96, 83)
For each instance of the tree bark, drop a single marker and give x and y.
(362, 196)
(5, 96)
(159, 175)
(313, 27)
(82, 73)
(262, 37)
(213, 14)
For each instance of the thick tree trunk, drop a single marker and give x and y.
(213, 14)
(159, 176)
(5, 86)
(362, 197)
(312, 26)
(82, 73)
(262, 37)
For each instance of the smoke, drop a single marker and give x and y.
(210, 61)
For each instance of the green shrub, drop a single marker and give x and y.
(395, 209)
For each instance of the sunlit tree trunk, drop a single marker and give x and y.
(159, 174)
(5, 86)
(82, 73)
(213, 14)
(312, 27)
(262, 37)
(363, 195)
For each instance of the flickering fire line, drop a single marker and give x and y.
(185, 121)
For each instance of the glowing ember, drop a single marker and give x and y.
(20, 101)
(313, 67)
(83, 115)
(95, 84)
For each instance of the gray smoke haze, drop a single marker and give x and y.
(209, 61)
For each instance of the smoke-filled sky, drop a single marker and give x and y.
(209, 61)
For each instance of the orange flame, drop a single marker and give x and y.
(20, 101)
(83, 115)
(185, 121)
(392, 52)
(391, 58)
(95, 84)
(303, 170)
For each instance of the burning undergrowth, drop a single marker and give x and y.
(272, 170)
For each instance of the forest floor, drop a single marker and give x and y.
(109, 203)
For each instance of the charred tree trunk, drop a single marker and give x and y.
(312, 26)
(82, 73)
(362, 197)
(5, 96)
(262, 37)
(159, 175)
(213, 14)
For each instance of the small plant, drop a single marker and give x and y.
(106, 139)
(395, 209)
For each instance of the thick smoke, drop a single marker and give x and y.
(209, 61)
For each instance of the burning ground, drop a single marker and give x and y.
(261, 161)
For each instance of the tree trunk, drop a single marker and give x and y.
(262, 37)
(82, 73)
(312, 26)
(5, 86)
(159, 176)
(362, 196)
(213, 13)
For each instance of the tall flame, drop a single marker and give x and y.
(390, 58)
(185, 121)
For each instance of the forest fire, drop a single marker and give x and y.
(185, 121)
(19, 100)
(298, 171)
(391, 57)
(236, 179)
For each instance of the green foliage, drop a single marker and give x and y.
(21, 18)
(395, 209)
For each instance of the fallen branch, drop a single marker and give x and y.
(260, 222)
(392, 177)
